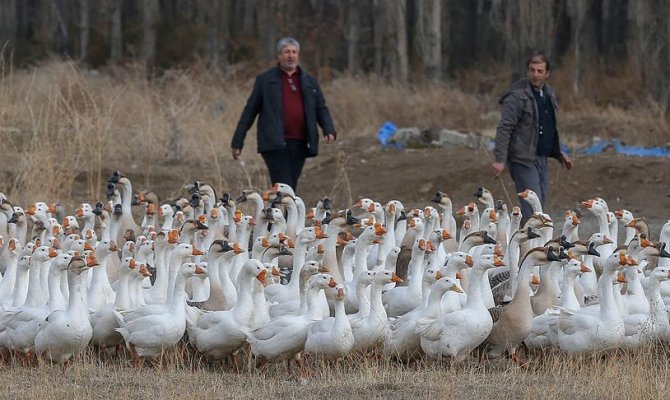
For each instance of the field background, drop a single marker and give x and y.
(160, 105)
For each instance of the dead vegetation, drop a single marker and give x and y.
(631, 375)
(62, 128)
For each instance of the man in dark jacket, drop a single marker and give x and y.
(290, 104)
(527, 133)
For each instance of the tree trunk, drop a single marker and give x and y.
(379, 13)
(116, 32)
(267, 27)
(248, 19)
(8, 25)
(84, 30)
(352, 37)
(62, 37)
(149, 20)
(400, 20)
(577, 12)
(433, 35)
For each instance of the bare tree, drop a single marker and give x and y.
(433, 35)
(379, 13)
(576, 10)
(84, 29)
(248, 19)
(149, 18)
(116, 31)
(8, 24)
(352, 36)
(217, 17)
(400, 21)
(526, 25)
(267, 26)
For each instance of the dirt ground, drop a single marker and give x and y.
(412, 176)
(356, 167)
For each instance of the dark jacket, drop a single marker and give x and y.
(266, 100)
(517, 133)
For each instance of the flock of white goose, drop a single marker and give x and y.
(285, 280)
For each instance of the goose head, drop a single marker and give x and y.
(341, 292)
(322, 281)
(191, 269)
(516, 214)
(365, 278)
(446, 284)
(600, 239)
(484, 196)
(442, 200)
(487, 261)
(431, 275)
(478, 238)
(575, 267)
(661, 273)
(457, 261)
(384, 276)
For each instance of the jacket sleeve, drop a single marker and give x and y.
(322, 114)
(512, 110)
(251, 110)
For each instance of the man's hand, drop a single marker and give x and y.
(497, 168)
(566, 162)
(330, 138)
(237, 153)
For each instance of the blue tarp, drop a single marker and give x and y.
(387, 131)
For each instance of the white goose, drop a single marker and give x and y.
(206, 331)
(332, 337)
(299, 306)
(64, 334)
(455, 335)
(103, 321)
(544, 332)
(369, 331)
(402, 299)
(403, 341)
(148, 331)
(284, 337)
(584, 332)
(642, 328)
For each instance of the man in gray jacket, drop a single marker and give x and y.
(527, 132)
(289, 104)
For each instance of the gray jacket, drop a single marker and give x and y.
(266, 100)
(517, 132)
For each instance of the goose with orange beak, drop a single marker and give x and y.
(283, 338)
(455, 335)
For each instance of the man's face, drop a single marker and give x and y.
(288, 58)
(537, 74)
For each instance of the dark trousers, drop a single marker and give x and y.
(285, 165)
(533, 177)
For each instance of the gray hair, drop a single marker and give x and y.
(283, 42)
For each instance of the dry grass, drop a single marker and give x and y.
(62, 129)
(643, 374)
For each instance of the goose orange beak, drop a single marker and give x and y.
(395, 278)
(261, 277)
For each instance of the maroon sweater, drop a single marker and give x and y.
(294, 110)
